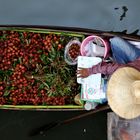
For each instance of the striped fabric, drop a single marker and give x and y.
(109, 68)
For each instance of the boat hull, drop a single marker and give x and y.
(66, 30)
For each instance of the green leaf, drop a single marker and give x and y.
(20, 60)
(53, 53)
(1, 72)
(6, 93)
(11, 88)
(50, 94)
(3, 37)
(41, 86)
(4, 75)
(28, 41)
(8, 72)
(67, 69)
(39, 51)
(44, 104)
(39, 94)
(14, 64)
(45, 84)
(43, 57)
(50, 60)
(21, 37)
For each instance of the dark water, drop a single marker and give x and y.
(16, 125)
(107, 15)
(95, 14)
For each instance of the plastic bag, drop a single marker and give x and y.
(135, 43)
(122, 129)
(93, 50)
(69, 60)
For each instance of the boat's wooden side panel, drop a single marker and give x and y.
(83, 31)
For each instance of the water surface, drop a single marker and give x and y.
(95, 14)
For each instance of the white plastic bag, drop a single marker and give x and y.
(67, 57)
(93, 50)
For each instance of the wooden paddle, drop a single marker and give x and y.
(43, 129)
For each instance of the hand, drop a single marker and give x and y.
(82, 72)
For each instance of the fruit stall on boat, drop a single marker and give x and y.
(33, 72)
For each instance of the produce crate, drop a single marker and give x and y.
(33, 72)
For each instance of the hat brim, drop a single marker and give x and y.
(120, 97)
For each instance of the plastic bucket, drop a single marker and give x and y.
(90, 39)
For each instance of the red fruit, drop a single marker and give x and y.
(1, 93)
(1, 88)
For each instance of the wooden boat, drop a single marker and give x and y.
(70, 32)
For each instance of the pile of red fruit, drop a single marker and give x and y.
(21, 53)
(74, 51)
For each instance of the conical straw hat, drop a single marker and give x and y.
(123, 92)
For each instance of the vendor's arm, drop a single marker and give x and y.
(109, 68)
(104, 68)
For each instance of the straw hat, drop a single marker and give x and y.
(123, 92)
